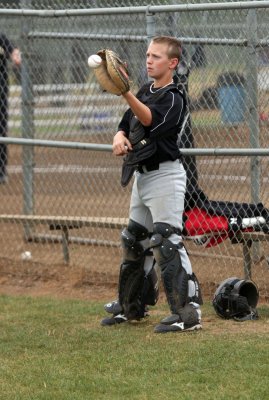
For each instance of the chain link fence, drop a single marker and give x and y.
(54, 97)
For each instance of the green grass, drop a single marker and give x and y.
(206, 119)
(56, 349)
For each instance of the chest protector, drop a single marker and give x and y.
(143, 145)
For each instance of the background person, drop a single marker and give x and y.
(7, 51)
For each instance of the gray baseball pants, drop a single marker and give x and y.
(158, 196)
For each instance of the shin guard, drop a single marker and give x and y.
(174, 277)
(131, 278)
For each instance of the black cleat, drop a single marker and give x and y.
(188, 319)
(177, 327)
(116, 319)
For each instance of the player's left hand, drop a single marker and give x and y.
(121, 145)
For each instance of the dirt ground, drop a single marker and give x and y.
(96, 279)
(59, 281)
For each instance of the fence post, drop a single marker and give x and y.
(27, 119)
(252, 99)
(252, 106)
(151, 25)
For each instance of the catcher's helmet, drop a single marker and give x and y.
(236, 298)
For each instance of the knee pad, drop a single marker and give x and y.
(139, 231)
(131, 280)
(130, 238)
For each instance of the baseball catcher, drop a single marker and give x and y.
(147, 138)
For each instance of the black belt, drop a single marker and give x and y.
(150, 167)
(147, 168)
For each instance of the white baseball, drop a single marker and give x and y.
(94, 61)
(26, 255)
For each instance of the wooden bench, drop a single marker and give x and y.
(66, 223)
(247, 239)
(62, 223)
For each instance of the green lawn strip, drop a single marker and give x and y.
(56, 349)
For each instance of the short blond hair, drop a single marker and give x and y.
(174, 45)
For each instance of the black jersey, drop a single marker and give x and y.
(167, 106)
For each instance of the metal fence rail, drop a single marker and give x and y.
(57, 111)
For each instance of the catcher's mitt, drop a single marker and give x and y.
(112, 74)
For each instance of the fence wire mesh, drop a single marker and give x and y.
(54, 96)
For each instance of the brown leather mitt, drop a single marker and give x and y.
(112, 74)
